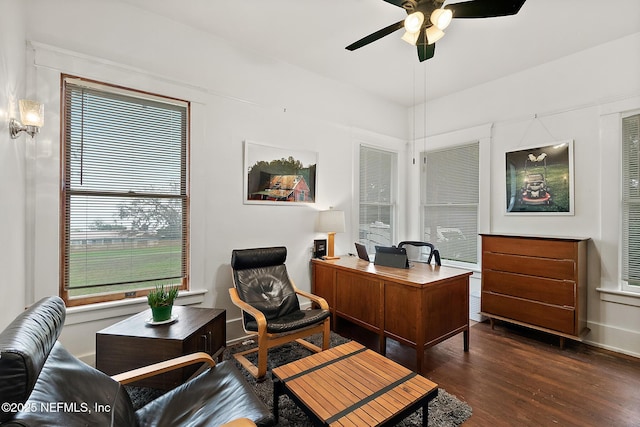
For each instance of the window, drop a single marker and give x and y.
(450, 201)
(631, 203)
(125, 195)
(377, 197)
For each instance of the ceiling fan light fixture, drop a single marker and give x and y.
(434, 34)
(411, 38)
(441, 18)
(413, 22)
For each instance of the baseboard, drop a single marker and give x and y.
(615, 339)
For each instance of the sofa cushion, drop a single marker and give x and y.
(189, 405)
(24, 347)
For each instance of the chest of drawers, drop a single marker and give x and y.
(538, 282)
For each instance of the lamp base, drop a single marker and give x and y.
(330, 257)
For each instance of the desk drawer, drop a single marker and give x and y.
(557, 318)
(541, 248)
(562, 269)
(550, 291)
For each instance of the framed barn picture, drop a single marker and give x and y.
(280, 176)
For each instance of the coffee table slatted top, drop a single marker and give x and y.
(350, 385)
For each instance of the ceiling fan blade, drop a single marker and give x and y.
(396, 2)
(375, 36)
(485, 8)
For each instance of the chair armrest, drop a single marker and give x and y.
(240, 422)
(162, 367)
(315, 298)
(257, 314)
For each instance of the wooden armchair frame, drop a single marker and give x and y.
(169, 365)
(268, 340)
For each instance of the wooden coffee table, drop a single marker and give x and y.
(133, 343)
(352, 386)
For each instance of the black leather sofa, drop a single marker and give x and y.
(42, 384)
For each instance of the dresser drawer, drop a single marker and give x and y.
(557, 318)
(562, 269)
(549, 291)
(543, 248)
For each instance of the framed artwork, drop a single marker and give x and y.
(539, 180)
(279, 176)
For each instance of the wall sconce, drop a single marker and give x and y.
(31, 118)
(331, 222)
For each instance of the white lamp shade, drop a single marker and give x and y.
(31, 113)
(331, 221)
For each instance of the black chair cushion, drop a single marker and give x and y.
(296, 320)
(223, 384)
(24, 347)
(71, 393)
(242, 259)
(262, 281)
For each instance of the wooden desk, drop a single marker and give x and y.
(349, 385)
(419, 306)
(132, 343)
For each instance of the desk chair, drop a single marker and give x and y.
(268, 299)
(415, 251)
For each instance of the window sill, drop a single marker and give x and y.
(619, 297)
(126, 307)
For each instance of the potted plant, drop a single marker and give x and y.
(161, 302)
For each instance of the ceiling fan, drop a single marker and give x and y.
(426, 20)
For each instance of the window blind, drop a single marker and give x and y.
(631, 200)
(125, 189)
(450, 201)
(376, 207)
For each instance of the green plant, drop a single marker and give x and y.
(161, 297)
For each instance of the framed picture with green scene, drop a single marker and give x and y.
(279, 176)
(539, 180)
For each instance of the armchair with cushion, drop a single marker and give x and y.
(270, 308)
(42, 384)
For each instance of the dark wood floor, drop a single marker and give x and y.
(514, 376)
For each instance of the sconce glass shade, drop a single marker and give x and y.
(31, 113)
(31, 116)
(441, 18)
(413, 22)
(434, 34)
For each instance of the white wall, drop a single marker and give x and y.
(12, 160)
(235, 97)
(239, 97)
(579, 97)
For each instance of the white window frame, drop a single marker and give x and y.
(482, 134)
(393, 202)
(435, 234)
(624, 284)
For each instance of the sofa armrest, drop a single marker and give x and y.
(162, 367)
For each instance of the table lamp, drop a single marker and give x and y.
(331, 222)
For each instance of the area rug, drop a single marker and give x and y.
(445, 410)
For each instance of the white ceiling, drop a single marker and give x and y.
(312, 34)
